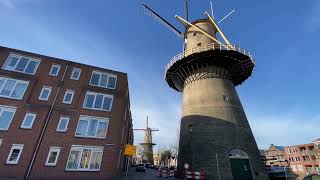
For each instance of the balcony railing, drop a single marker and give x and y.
(207, 47)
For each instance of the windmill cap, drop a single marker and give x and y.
(196, 22)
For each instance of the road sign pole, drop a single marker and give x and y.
(218, 166)
(127, 168)
(186, 166)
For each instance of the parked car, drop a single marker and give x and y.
(140, 168)
(147, 165)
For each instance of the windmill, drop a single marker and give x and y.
(147, 145)
(214, 132)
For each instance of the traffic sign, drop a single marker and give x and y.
(130, 150)
(186, 165)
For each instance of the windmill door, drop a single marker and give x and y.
(241, 169)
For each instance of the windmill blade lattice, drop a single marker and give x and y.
(148, 11)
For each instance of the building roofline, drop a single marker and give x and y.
(308, 144)
(60, 59)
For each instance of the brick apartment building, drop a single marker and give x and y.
(302, 159)
(305, 158)
(274, 156)
(60, 119)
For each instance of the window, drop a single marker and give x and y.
(104, 80)
(84, 158)
(21, 64)
(300, 168)
(28, 120)
(45, 93)
(293, 168)
(1, 142)
(92, 127)
(75, 75)
(225, 98)
(53, 156)
(14, 154)
(68, 96)
(12, 88)
(6, 115)
(63, 124)
(98, 101)
(54, 71)
(190, 128)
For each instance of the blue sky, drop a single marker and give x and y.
(281, 98)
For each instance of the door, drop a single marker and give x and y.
(241, 169)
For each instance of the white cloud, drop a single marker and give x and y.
(284, 130)
(7, 3)
(279, 129)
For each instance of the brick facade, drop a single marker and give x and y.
(48, 113)
(304, 158)
(275, 156)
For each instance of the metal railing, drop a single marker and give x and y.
(207, 47)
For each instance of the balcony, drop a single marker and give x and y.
(207, 47)
(305, 152)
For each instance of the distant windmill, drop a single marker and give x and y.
(147, 145)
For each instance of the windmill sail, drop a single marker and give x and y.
(148, 11)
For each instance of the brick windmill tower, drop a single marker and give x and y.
(215, 135)
(147, 145)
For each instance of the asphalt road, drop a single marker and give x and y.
(150, 174)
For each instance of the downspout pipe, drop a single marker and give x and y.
(45, 126)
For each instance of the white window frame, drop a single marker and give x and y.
(108, 74)
(73, 70)
(300, 168)
(53, 149)
(17, 81)
(294, 168)
(81, 147)
(43, 88)
(54, 66)
(65, 129)
(1, 141)
(19, 57)
(100, 119)
(24, 119)
(65, 94)
(11, 109)
(95, 98)
(15, 146)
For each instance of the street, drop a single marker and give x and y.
(150, 174)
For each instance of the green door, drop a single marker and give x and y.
(241, 169)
